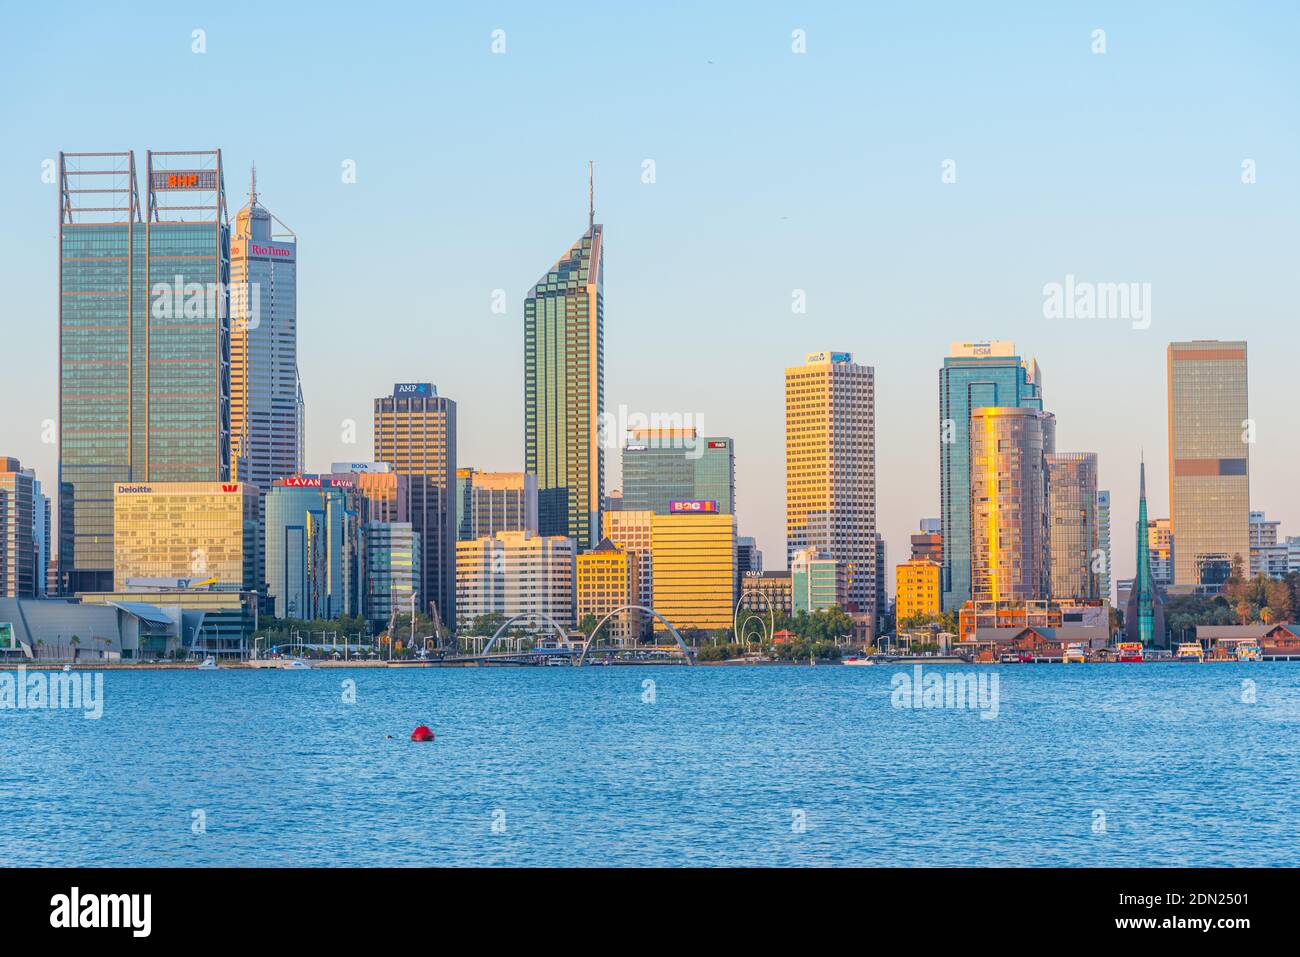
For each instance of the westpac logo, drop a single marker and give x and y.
(134, 911)
(230, 488)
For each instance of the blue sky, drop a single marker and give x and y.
(775, 171)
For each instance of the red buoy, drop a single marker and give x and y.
(422, 733)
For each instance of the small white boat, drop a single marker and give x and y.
(857, 661)
(296, 664)
(67, 668)
(208, 664)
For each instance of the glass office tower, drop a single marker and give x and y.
(564, 393)
(1209, 474)
(144, 340)
(265, 417)
(1010, 553)
(1072, 517)
(668, 465)
(974, 375)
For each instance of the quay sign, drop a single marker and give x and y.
(676, 506)
(185, 179)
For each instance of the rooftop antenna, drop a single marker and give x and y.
(252, 188)
(591, 195)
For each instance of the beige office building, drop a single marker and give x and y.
(830, 469)
(694, 557)
(1209, 462)
(517, 573)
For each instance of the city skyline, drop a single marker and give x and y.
(665, 338)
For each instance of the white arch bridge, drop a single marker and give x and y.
(580, 657)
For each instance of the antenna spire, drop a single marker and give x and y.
(591, 194)
(252, 188)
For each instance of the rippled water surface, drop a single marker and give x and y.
(1101, 765)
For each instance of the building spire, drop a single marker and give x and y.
(591, 195)
(1142, 475)
(252, 188)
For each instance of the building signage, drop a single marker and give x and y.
(717, 445)
(412, 388)
(185, 179)
(301, 481)
(7, 639)
(277, 252)
(134, 490)
(829, 357)
(676, 506)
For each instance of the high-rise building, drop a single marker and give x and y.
(177, 531)
(42, 528)
(564, 391)
(1073, 535)
(632, 532)
(1267, 556)
(415, 433)
(392, 570)
(1209, 462)
(144, 339)
(749, 558)
(606, 585)
(265, 418)
(1160, 548)
(817, 582)
(928, 542)
(882, 595)
(830, 469)
(762, 591)
(916, 589)
(694, 556)
(18, 557)
(974, 375)
(1010, 553)
(1103, 542)
(312, 547)
(1144, 618)
(516, 573)
(491, 502)
(661, 466)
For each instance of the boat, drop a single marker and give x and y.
(1075, 653)
(1129, 651)
(67, 668)
(1249, 651)
(295, 664)
(1190, 651)
(208, 664)
(855, 660)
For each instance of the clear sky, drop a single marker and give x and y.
(774, 171)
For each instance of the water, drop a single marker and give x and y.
(716, 771)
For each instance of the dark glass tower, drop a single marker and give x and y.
(144, 340)
(564, 393)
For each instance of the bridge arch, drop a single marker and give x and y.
(525, 616)
(686, 651)
(771, 614)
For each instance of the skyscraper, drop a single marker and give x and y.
(1144, 612)
(1103, 542)
(830, 469)
(415, 433)
(265, 418)
(491, 502)
(312, 546)
(18, 553)
(144, 339)
(974, 375)
(1073, 533)
(1209, 474)
(1010, 554)
(665, 465)
(564, 392)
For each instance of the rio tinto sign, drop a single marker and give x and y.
(692, 506)
(185, 179)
